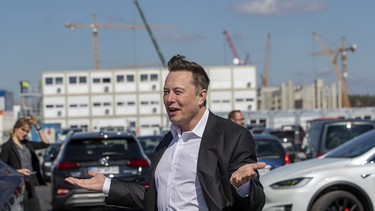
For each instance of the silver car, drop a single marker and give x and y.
(343, 179)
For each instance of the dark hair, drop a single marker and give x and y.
(232, 113)
(200, 77)
(20, 123)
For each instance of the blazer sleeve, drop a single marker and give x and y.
(128, 195)
(244, 153)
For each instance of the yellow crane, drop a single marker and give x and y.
(341, 74)
(95, 28)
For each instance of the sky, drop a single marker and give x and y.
(34, 38)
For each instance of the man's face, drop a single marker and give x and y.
(239, 118)
(181, 101)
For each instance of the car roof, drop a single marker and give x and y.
(342, 120)
(262, 136)
(106, 134)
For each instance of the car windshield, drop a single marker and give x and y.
(266, 149)
(93, 149)
(355, 147)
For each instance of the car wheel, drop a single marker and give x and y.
(337, 200)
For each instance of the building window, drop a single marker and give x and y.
(144, 77)
(96, 104)
(239, 100)
(73, 105)
(131, 103)
(144, 103)
(154, 77)
(106, 104)
(59, 80)
(130, 78)
(59, 106)
(132, 124)
(49, 81)
(120, 103)
(82, 79)
(49, 106)
(72, 80)
(96, 80)
(120, 78)
(84, 105)
(106, 80)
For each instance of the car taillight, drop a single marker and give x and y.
(67, 165)
(319, 154)
(287, 159)
(138, 163)
(62, 191)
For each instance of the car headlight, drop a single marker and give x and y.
(291, 183)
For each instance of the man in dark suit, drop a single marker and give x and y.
(204, 163)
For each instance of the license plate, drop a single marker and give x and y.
(287, 145)
(106, 169)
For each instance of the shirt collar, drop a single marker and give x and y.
(198, 129)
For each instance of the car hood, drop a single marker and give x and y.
(302, 169)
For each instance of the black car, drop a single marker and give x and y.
(12, 188)
(149, 143)
(117, 155)
(49, 156)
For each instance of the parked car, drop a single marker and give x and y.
(325, 135)
(50, 154)
(12, 189)
(343, 179)
(117, 155)
(270, 150)
(149, 143)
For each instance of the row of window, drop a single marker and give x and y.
(99, 104)
(104, 80)
(238, 100)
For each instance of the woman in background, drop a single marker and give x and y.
(19, 153)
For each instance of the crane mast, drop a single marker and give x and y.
(342, 75)
(266, 66)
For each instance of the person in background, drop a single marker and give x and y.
(19, 153)
(237, 117)
(205, 162)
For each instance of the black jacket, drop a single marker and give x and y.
(225, 146)
(10, 155)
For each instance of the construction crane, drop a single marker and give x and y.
(341, 74)
(266, 66)
(236, 60)
(95, 27)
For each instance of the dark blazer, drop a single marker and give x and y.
(10, 155)
(225, 147)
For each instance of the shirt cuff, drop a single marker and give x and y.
(106, 186)
(244, 189)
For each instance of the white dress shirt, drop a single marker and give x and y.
(176, 174)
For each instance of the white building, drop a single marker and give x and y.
(132, 98)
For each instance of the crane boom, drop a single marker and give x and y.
(161, 57)
(95, 28)
(236, 59)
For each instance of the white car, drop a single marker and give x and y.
(342, 180)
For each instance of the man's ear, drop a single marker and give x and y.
(202, 96)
